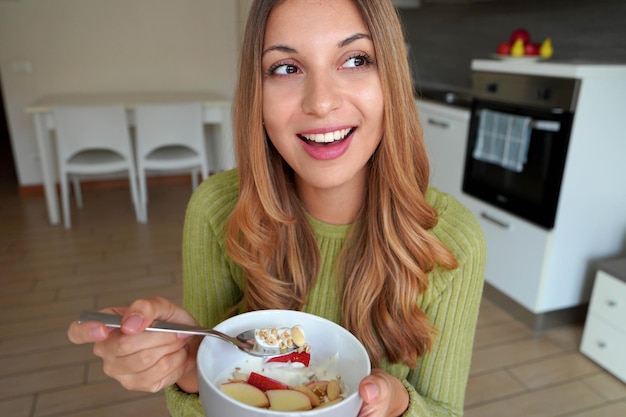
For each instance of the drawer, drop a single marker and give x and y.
(516, 252)
(608, 300)
(605, 345)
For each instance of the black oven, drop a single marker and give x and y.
(517, 142)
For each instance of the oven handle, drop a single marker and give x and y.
(495, 221)
(544, 125)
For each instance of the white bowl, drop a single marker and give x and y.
(216, 358)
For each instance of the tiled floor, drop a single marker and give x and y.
(48, 274)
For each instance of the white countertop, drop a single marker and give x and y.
(129, 99)
(615, 267)
(571, 69)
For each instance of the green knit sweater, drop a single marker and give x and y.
(436, 385)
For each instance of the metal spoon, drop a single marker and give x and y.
(244, 341)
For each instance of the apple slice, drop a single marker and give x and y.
(288, 400)
(265, 383)
(245, 393)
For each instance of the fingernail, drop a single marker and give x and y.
(96, 331)
(133, 323)
(371, 391)
(183, 336)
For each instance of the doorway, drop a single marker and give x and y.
(8, 176)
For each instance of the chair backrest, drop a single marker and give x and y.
(169, 124)
(82, 128)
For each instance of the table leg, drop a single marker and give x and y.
(45, 159)
(227, 148)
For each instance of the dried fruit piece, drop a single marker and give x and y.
(297, 335)
(333, 389)
(329, 403)
(318, 387)
(313, 397)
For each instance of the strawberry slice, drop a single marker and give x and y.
(302, 357)
(265, 383)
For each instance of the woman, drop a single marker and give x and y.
(329, 212)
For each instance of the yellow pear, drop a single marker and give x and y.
(518, 48)
(545, 50)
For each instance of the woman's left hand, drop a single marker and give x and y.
(383, 395)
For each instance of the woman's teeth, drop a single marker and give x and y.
(327, 137)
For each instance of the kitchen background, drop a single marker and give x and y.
(445, 35)
(70, 46)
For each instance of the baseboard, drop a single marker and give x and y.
(28, 190)
(537, 322)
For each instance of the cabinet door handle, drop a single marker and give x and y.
(438, 123)
(495, 221)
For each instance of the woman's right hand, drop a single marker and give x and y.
(140, 360)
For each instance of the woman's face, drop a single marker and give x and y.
(322, 97)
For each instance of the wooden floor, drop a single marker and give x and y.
(48, 274)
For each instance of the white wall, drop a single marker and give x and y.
(76, 46)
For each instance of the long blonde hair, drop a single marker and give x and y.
(388, 253)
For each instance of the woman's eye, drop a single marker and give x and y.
(283, 69)
(357, 61)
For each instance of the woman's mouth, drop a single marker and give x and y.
(327, 138)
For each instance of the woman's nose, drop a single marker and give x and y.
(321, 95)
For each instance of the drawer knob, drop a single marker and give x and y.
(611, 303)
(602, 344)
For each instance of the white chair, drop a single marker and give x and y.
(93, 140)
(169, 137)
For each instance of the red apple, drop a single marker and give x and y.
(520, 34)
(531, 49)
(504, 48)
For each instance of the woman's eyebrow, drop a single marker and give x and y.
(354, 38)
(281, 48)
(290, 50)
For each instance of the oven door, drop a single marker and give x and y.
(531, 189)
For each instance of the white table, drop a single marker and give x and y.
(217, 110)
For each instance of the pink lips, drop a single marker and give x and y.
(328, 151)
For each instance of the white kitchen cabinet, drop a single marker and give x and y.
(445, 135)
(604, 336)
(516, 252)
(548, 271)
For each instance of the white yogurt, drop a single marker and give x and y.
(292, 374)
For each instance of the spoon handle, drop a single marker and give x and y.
(114, 320)
(244, 341)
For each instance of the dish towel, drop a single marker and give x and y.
(503, 139)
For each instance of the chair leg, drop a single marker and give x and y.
(204, 170)
(65, 200)
(78, 195)
(143, 194)
(194, 178)
(137, 197)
